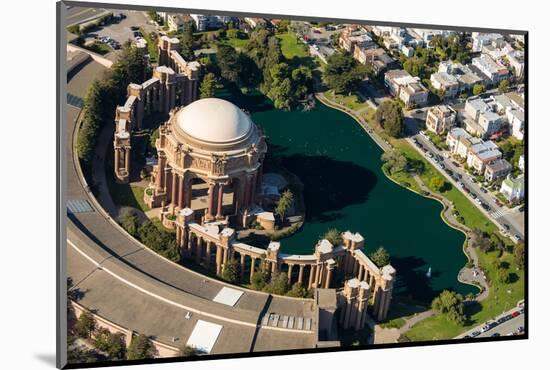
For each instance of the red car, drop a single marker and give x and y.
(515, 314)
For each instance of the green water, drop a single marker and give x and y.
(344, 187)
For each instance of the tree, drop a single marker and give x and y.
(451, 304)
(129, 220)
(285, 202)
(297, 290)
(231, 271)
(140, 348)
(334, 236)
(152, 141)
(479, 239)
(478, 89)
(380, 257)
(437, 183)
(519, 254)
(208, 86)
(343, 74)
(503, 86)
(229, 63)
(395, 161)
(259, 279)
(111, 343)
(161, 241)
(503, 276)
(85, 325)
(187, 42)
(278, 284)
(389, 116)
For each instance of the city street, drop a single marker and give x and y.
(502, 215)
(508, 327)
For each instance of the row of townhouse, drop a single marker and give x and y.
(177, 22)
(454, 78)
(485, 117)
(357, 40)
(406, 87)
(495, 46)
(482, 156)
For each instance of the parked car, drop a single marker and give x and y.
(495, 335)
(475, 334)
(483, 190)
(501, 319)
(521, 208)
(515, 314)
(455, 164)
(506, 226)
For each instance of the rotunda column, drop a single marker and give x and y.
(173, 198)
(301, 274)
(219, 213)
(180, 191)
(211, 190)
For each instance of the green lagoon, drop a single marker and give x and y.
(345, 188)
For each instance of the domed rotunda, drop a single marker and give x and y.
(210, 157)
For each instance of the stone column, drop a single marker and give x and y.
(242, 266)
(225, 256)
(252, 267)
(117, 160)
(198, 248)
(273, 267)
(160, 173)
(360, 273)
(180, 191)
(290, 273)
(219, 257)
(208, 253)
(127, 160)
(329, 277)
(219, 214)
(312, 275)
(301, 274)
(178, 235)
(174, 196)
(210, 211)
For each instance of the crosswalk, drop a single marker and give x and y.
(498, 213)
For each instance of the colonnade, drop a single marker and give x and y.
(161, 93)
(367, 285)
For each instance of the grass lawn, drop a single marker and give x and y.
(124, 194)
(502, 297)
(151, 46)
(235, 42)
(350, 101)
(291, 46)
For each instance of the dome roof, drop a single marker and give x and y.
(213, 120)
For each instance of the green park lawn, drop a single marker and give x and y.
(352, 102)
(502, 297)
(124, 194)
(291, 46)
(99, 48)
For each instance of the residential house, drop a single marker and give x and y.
(516, 59)
(440, 119)
(511, 106)
(377, 58)
(480, 118)
(458, 141)
(481, 154)
(513, 189)
(497, 170)
(353, 37)
(177, 22)
(494, 71)
(445, 82)
(211, 22)
(480, 39)
(255, 22)
(465, 76)
(408, 88)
